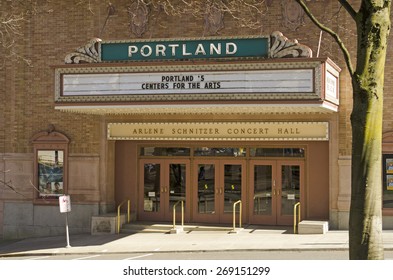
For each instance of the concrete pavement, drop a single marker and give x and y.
(192, 241)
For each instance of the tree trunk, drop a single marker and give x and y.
(365, 222)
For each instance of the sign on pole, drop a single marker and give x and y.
(65, 203)
(65, 207)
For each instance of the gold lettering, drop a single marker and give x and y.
(194, 131)
(288, 131)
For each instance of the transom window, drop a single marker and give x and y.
(291, 152)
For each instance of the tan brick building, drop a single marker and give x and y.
(156, 132)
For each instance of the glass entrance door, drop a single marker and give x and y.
(217, 186)
(275, 187)
(163, 183)
(262, 184)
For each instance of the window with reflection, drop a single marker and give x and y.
(206, 188)
(177, 184)
(50, 172)
(277, 152)
(164, 151)
(151, 187)
(219, 152)
(290, 189)
(232, 186)
(263, 184)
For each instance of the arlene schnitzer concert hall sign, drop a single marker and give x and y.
(242, 131)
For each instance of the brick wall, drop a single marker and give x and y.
(61, 26)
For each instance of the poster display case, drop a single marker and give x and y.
(387, 180)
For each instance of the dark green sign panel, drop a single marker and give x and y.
(185, 49)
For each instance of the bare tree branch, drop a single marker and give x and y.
(348, 8)
(248, 12)
(10, 30)
(10, 27)
(10, 185)
(332, 33)
(13, 17)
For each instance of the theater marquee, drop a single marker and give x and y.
(223, 131)
(264, 73)
(282, 83)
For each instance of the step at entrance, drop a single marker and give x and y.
(313, 227)
(167, 228)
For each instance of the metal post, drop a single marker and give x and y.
(118, 213)
(182, 213)
(296, 221)
(67, 233)
(128, 211)
(234, 214)
(174, 216)
(118, 219)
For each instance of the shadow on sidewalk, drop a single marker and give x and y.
(43, 243)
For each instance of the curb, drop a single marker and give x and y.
(10, 255)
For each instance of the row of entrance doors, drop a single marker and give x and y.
(209, 188)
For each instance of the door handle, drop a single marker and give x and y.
(274, 192)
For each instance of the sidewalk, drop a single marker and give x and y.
(194, 241)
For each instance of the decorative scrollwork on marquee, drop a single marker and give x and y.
(86, 54)
(282, 47)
